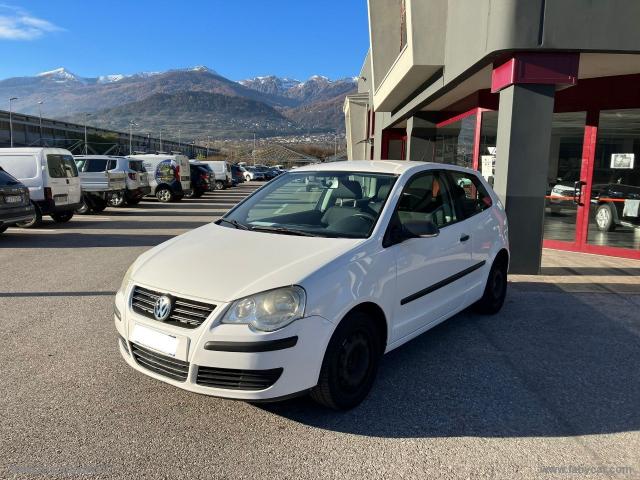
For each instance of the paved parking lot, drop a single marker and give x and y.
(552, 383)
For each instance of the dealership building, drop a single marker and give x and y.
(542, 97)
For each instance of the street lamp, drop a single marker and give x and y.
(179, 138)
(208, 140)
(160, 139)
(131, 125)
(86, 145)
(40, 115)
(11, 121)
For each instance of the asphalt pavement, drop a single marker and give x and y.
(548, 388)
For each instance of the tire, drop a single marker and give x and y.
(3, 228)
(98, 205)
(219, 185)
(350, 363)
(495, 291)
(35, 221)
(605, 218)
(197, 193)
(62, 217)
(190, 195)
(117, 200)
(164, 195)
(84, 209)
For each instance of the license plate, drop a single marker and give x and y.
(154, 339)
(184, 178)
(13, 199)
(60, 198)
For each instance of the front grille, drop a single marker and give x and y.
(160, 364)
(184, 313)
(237, 379)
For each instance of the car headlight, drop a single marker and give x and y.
(268, 311)
(126, 279)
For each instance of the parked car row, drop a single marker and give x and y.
(35, 182)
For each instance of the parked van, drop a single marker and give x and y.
(222, 172)
(51, 176)
(101, 181)
(169, 176)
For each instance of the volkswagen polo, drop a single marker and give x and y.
(376, 254)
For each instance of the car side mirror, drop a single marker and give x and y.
(417, 229)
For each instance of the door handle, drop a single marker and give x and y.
(464, 237)
(577, 192)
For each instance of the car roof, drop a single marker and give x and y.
(397, 167)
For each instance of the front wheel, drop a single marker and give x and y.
(62, 217)
(495, 291)
(35, 221)
(604, 218)
(219, 185)
(164, 195)
(350, 363)
(117, 200)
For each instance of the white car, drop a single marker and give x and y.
(380, 253)
(52, 178)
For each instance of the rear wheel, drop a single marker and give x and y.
(350, 363)
(495, 291)
(197, 193)
(35, 221)
(117, 200)
(62, 217)
(219, 185)
(99, 205)
(164, 195)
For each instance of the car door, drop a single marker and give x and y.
(430, 279)
(473, 206)
(63, 179)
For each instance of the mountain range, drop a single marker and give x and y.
(197, 100)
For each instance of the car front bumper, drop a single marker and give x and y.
(290, 357)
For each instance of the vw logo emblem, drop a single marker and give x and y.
(162, 308)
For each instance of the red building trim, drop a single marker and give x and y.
(548, 68)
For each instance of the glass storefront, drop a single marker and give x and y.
(487, 153)
(614, 219)
(564, 168)
(453, 142)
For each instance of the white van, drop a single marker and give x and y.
(52, 178)
(169, 175)
(222, 171)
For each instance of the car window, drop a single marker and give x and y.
(20, 166)
(112, 164)
(332, 204)
(469, 194)
(136, 165)
(6, 179)
(95, 165)
(61, 166)
(426, 197)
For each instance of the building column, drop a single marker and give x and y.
(420, 133)
(523, 145)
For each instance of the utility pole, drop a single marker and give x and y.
(208, 140)
(254, 141)
(131, 125)
(86, 145)
(11, 121)
(179, 138)
(40, 115)
(149, 141)
(160, 139)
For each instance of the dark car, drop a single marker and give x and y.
(618, 200)
(237, 174)
(15, 205)
(200, 181)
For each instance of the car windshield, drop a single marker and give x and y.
(328, 204)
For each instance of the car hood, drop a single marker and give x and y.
(223, 264)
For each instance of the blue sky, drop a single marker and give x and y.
(237, 38)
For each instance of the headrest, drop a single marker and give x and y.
(383, 192)
(348, 189)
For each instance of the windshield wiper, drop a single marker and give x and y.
(235, 223)
(286, 231)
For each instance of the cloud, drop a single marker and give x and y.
(18, 24)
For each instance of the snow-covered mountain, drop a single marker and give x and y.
(316, 88)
